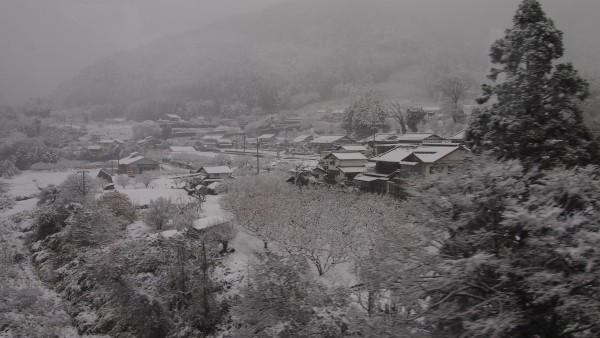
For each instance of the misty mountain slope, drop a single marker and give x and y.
(319, 49)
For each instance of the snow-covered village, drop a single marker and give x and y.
(290, 168)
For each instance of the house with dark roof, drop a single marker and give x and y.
(424, 159)
(420, 138)
(343, 166)
(267, 138)
(329, 142)
(354, 148)
(216, 172)
(137, 164)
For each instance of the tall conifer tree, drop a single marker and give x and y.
(536, 115)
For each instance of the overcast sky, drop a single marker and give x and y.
(46, 42)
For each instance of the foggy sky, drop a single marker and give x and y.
(46, 42)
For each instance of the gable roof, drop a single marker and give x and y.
(173, 116)
(395, 155)
(416, 136)
(379, 138)
(459, 136)
(263, 136)
(432, 154)
(347, 156)
(353, 147)
(352, 170)
(328, 138)
(180, 149)
(212, 137)
(217, 170)
(134, 159)
(301, 138)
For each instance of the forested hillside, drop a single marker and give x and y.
(297, 53)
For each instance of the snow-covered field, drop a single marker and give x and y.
(29, 182)
(145, 196)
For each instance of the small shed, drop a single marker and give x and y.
(217, 172)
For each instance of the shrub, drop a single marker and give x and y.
(120, 205)
(8, 169)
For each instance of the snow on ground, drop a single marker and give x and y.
(37, 309)
(20, 206)
(138, 230)
(145, 196)
(28, 182)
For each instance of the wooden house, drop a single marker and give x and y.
(137, 164)
(216, 172)
(329, 142)
(344, 165)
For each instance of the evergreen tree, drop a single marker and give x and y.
(537, 116)
(364, 116)
(414, 117)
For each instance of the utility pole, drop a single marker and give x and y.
(286, 141)
(244, 138)
(257, 164)
(82, 172)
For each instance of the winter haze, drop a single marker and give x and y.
(45, 43)
(299, 168)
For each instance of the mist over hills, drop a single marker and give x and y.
(299, 52)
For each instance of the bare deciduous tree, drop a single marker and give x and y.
(159, 213)
(395, 111)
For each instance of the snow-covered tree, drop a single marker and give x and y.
(8, 169)
(364, 116)
(414, 116)
(146, 178)
(123, 180)
(395, 110)
(145, 129)
(454, 88)
(33, 151)
(536, 116)
(159, 213)
(92, 225)
(255, 202)
(120, 205)
(282, 300)
(519, 256)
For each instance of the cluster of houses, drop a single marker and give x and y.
(379, 163)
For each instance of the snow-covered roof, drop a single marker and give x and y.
(347, 156)
(431, 154)
(214, 185)
(131, 160)
(379, 138)
(173, 116)
(212, 137)
(353, 148)
(327, 139)
(395, 155)
(217, 170)
(177, 149)
(415, 136)
(300, 138)
(352, 170)
(264, 136)
(210, 221)
(459, 136)
(365, 178)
